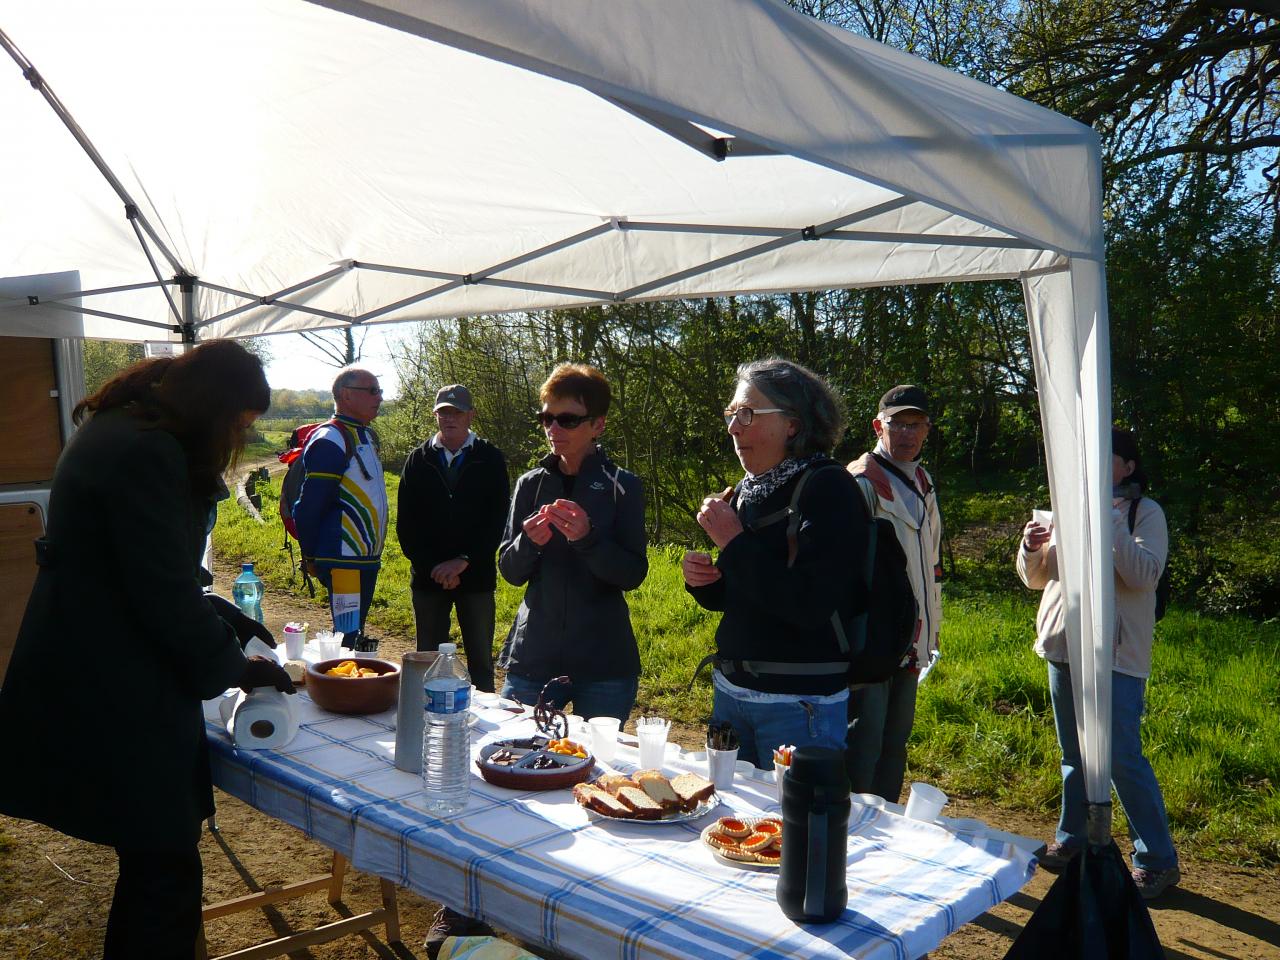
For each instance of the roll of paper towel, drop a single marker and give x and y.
(265, 719)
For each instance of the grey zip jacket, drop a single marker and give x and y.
(573, 619)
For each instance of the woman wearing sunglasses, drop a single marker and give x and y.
(792, 537)
(576, 536)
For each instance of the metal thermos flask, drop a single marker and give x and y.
(815, 815)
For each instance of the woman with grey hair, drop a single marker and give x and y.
(792, 535)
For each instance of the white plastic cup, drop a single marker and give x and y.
(652, 734)
(969, 826)
(294, 640)
(721, 765)
(330, 647)
(925, 802)
(604, 737)
(779, 771)
(869, 800)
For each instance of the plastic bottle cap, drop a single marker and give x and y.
(448, 649)
(246, 568)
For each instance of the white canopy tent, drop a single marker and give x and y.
(266, 166)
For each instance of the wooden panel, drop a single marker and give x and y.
(28, 414)
(20, 523)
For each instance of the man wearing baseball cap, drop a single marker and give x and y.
(898, 489)
(452, 509)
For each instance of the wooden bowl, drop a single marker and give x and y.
(519, 776)
(354, 694)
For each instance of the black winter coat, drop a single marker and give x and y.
(573, 619)
(101, 713)
(435, 524)
(777, 613)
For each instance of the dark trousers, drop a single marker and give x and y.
(475, 619)
(155, 912)
(880, 720)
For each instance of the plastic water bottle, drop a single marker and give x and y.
(446, 743)
(247, 592)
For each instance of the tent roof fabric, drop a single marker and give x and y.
(313, 165)
(390, 161)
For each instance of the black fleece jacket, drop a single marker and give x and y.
(783, 614)
(435, 524)
(573, 619)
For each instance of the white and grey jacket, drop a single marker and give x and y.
(1139, 560)
(918, 523)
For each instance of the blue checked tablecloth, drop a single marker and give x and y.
(539, 865)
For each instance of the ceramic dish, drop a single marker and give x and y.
(520, 774)
(729, 861)
(359, 695)
(678, 816)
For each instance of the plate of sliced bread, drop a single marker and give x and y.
(648, 797)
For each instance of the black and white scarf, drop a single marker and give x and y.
(758, 488)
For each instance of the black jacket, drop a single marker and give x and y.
(573, 619)
(777, 613)
(101, 712)
(435, 524)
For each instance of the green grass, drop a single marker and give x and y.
(984, 726)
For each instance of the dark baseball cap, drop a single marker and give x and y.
(454, 395)
(905, 396)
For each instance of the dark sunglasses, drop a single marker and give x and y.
(375, 391)
(568, 421)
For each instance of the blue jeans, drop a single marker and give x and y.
(766, 722)
(1131, 774)
(613, 697)
(880, 720)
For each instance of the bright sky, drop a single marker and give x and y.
(297, 365)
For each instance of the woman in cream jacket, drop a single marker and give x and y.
(1139, 560)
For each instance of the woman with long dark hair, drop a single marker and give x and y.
(100, 711)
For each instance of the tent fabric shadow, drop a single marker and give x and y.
(1093, 911)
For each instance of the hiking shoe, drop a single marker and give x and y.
(1057, 855)
(449, 923)
(1152, 883)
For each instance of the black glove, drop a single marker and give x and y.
(261, 672)
(246, 628)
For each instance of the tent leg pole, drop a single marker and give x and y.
(187, 284)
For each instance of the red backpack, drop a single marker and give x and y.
(291, 486)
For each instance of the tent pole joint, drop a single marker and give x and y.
(33, 77)
(33, 301)
(809, 233)
(131, 211)
(469, 280)
(721, 148)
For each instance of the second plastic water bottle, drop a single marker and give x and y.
(247, 592)
(446, 744)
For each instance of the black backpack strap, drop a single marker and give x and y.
(1133, 514)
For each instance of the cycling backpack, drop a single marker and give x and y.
(291, 485)
(877, 640)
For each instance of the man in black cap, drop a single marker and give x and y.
(898, 489)
(452, 509)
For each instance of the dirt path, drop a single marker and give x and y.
(55, 892)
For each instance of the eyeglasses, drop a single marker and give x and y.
(375, 391)
(744, 415)
(568, 421)
(921, 426)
